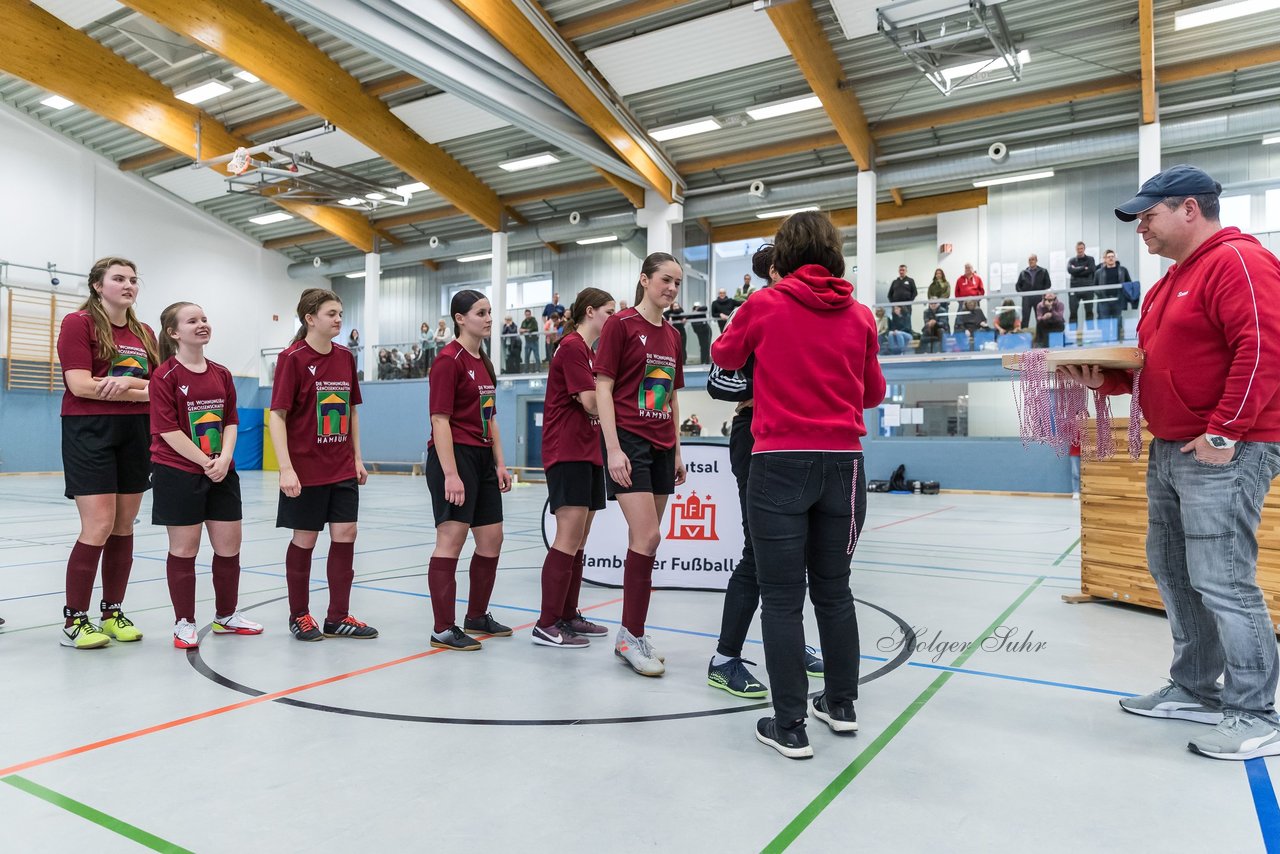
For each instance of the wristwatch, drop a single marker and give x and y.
(1219, 442)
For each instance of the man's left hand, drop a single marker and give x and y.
(1206, 453)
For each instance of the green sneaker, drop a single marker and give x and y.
(118, 626)
(733, 676)
(81, 634)
(1172, 702)
(1239, 736)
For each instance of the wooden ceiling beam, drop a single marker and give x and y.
(251, 35)
(763, 152)
(633, 193)
(615, 17)
(503, 20)
(848, 217)
(99, 80)
(1180, 72)
(803, 34)
(1147, 52)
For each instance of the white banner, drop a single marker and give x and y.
(701, 529)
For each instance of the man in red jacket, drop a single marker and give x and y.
(1208, 391)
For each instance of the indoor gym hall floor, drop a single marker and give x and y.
(267, 744)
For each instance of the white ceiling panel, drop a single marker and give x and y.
(79, 13)
(735, 38)
(335, 149)
(444, 117)
(194, 185)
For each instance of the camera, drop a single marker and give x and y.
(55, 281)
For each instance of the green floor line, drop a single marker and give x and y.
(1063, 556)
(115, 825)
(811, 812)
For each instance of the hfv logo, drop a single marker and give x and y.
(183, 389)
(473, 374)
(693, 519)
(312, 369)
(644, 339)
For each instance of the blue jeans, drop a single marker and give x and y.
(899, 341)
(1202, 551)
(805, 509)
(531, 351)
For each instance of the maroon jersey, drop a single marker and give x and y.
(646, 364)
(201, 406)
(569, 434)
(462, 389)
(319, 393)
(78, 350)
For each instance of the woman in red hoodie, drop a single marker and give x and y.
(806, 497)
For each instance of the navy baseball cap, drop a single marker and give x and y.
(1176, 181)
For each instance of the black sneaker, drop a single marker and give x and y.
(813, 665)
(456, 639)
(486, 625)
(791, 742)
(840, 717)
(733, 676)
(349, 627)
(304, 628)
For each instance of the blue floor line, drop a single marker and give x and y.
(1264, 803)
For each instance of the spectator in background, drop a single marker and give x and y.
(553, 328)
(936, 325)
(550, 310)
(970, 318)
(385, 369)
(903, 289)
(1032, 282)
(353, 342)
(702, 331)
(511, 345)
(529, 327)
(675, 316)
(900, 332)
(882, 328)
(940, 288)
(1006, 320)
(1048, 318)
(622, 305)
(399, 367)
(741, 295)
(1081, 268)
(414, 362)
(1110, 301)
(424, 335)
(442, 336)
(969, 285)
(722, 306)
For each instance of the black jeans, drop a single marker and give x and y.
(806, 509)
(1074, 300)
(742, 595)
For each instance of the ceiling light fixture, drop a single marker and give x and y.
(202, 92)
(684, 129)
(1215, 13)
(248, 76)
(984, 66)
(785, 108)
(57, 102)
(1271, 140)
(351, 202)
(785, 213)
(407, 190)
(1013, 179)
(533, 161)
(588, 241)
(269, 218)
(467, 259)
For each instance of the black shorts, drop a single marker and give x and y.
(481, 495)
(317, 505)
(106, 454)
(576, 484)
(184, 498)
(653, 469)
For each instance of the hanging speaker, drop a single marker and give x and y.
(574, 217)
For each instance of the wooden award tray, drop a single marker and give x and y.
(1116, 358)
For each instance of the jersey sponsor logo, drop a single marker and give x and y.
(333, 414)
(486, 413)
(206, 430)
(129, 364)
(693, 519)
(312, 369)
(1183, 293)
(656, 385)
(183, 388)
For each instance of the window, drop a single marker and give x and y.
(1237, 210)
(1273, 210)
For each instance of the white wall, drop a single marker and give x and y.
(66, 204)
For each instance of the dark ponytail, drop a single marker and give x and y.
(461, 304)
(587, 298)
(649, 267)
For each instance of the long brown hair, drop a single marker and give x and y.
(309, 303)
(102, 324)
(168, 323)
(587, 298)
(461, 304)
(808, 237)
(649, 267)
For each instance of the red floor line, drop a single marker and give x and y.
(253, 701)
(913, 518)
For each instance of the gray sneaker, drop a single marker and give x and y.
(1239, 736)
(1172, 702)
(637, 653)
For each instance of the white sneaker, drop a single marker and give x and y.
(184, 635)
(236, 624)
(638, 654)
(649, 640)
